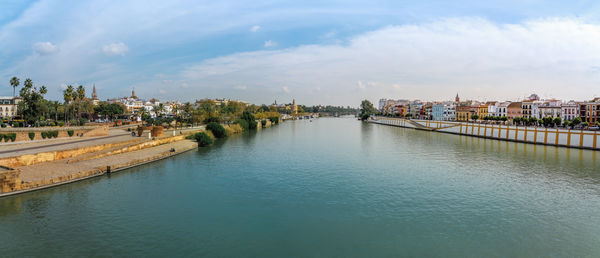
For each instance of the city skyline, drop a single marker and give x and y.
(331, 53)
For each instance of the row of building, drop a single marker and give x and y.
(458, 110)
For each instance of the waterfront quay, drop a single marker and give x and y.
(36, 165)
(582, 139)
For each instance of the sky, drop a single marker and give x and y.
(317, 52)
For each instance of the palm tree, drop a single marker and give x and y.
(68, 94)
(80, 96)
(56, 105)
(14, 82)
(159, 109)
(43, 90)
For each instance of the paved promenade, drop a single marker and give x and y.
(63, 144)
(55, 169)
(114, 136)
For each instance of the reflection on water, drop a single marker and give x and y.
(333, 187)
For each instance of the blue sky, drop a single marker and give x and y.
(318, 52)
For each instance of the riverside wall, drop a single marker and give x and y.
(11, 182)
(582, 139)
(78, 131)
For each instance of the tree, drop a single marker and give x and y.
(533, 120)
(79, 96)
(68, 95)
(109, 110)
(31, 107)
(557, 121)
(366, 109)
(576, 121)
(474, 116)
(217, 130)
(249, 117)
(517, 120)
(14, 82)
(158, 109)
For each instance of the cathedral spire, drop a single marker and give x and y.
(94, 94)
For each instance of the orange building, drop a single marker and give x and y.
(514, 109)
(590, 111)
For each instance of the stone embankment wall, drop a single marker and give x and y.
(548, 136)
(78, 131)
(30, 159)
(10, 179)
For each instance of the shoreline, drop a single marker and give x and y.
(100, 172)
(398, 122)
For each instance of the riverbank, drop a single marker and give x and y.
(40, 170)
(67, 166)
(580, 139)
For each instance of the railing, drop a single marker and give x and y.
(549, 136)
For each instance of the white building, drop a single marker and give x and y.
(449, 111)
(569, 110)
(550, 108)
(9, 106)
(501, 108)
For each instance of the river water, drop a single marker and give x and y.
(331, 187)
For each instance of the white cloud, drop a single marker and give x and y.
(161, 91)
(285, 89)
(185, 85)
(45, 48)
(432, 61)
(241, 87)
(255, 28)
(270, 43)
(115, 49)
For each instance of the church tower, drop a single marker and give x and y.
(94, 95)
(457, 99)
(294, 106)
(133, 96)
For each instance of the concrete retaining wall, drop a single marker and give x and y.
(548, 136)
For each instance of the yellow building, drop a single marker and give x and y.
(482, 111)
(463, 113)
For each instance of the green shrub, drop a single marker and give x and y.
(71, 132)
(54, 134)
(217, 129)
(252, 124)
(44, 135)
(243, 123)
(203, 139)
(61, 123)
(12, 137)
(82, 121)
(3, 125)
(1, 137)
(52, 124)
(274, 119)
(31, 135)
(263, 122)
(6, 137)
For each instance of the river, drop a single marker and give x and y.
(331, 187)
